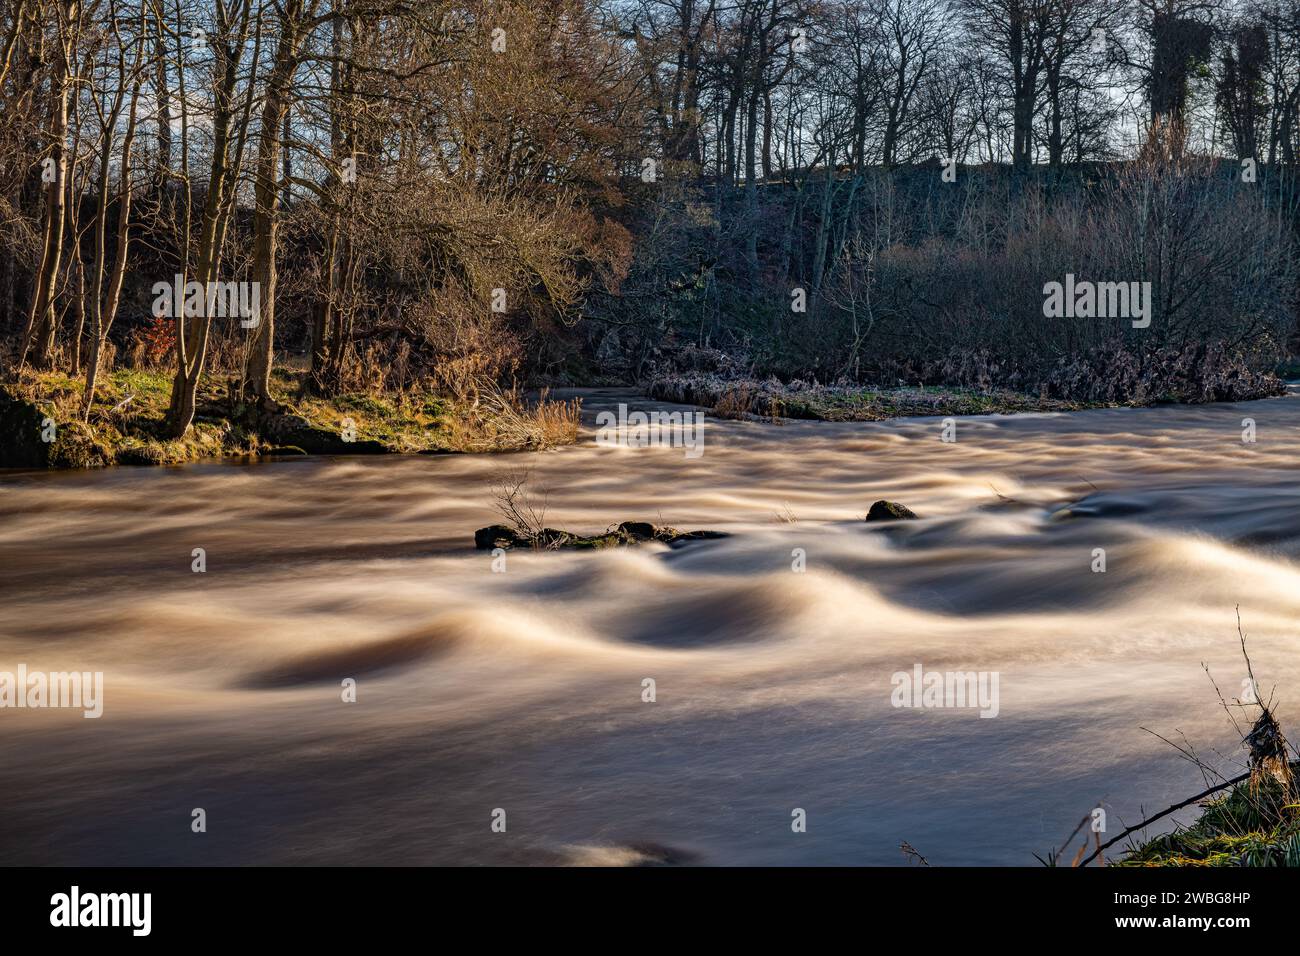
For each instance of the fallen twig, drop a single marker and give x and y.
(911, 853)
(1164, 813)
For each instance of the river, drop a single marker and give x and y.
(522, 690)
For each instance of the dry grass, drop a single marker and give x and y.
(501, 420)
(126, 420)
(739, 401)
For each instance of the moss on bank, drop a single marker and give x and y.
(41, 427)
(1250, 826)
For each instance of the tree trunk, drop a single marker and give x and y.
(105, 302)
(42, 321)
(266, 209)
(192, 336)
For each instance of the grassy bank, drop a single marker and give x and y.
(1252, 819)
(1256, 824)
(41, 425)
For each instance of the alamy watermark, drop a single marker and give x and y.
(933, 689)
(38, 689)
(643, 429)
(75, 908)
(1098, 300)
(221, 300)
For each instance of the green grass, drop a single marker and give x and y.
(403, 423)
(1243, 828)
(127, 418)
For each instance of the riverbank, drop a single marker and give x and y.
(1255, 824)
(125, 425)
(1108, 380)
(1249, 820)
(41, 425)
(774, 400)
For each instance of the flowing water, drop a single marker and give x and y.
(523, 690)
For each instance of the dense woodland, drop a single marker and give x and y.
(443, 195)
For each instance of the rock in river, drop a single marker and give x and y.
(884, 510)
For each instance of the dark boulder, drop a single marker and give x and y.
(495, 536)
(638, 530)
(884, 510)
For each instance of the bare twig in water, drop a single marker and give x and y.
(518, 504)
(912, 854)
(1000, 494)
(1054, 855)
(1227, 709)
(1241, 635)
(1189, 753)
(1164, 813)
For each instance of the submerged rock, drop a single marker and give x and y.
(638, 530)
(494, 536)
(884, 510)
(625, 534)
(1101, 506)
